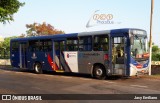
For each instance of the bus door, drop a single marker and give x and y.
(118, 56)
(22, 57)
(59, 47)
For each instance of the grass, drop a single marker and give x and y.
(156, 75)
(5, 66)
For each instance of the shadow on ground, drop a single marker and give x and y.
(64, 74)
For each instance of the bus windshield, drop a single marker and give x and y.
(140, 46)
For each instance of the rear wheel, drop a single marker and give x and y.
(99, 72)
(38, 68)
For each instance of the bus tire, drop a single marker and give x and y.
(38, 68)
(99, 72)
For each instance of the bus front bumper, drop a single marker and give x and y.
(142, 71)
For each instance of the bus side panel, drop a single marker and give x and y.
(87, 59)
(30, 60)
(44, 61)
(71, 57)
(15, 59)
(40, 57)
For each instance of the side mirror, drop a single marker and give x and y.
(132, 40)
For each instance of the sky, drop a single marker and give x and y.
(72, 16)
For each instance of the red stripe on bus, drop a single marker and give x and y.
(52, 64)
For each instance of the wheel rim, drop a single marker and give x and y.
(99, 72)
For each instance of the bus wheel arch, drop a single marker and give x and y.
(38, 67)
(98, 71)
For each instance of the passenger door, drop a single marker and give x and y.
(22, 57)
(59, 59)
(58, 48)
(118, 55)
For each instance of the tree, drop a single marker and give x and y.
(155, 57)
(5, 46)
(155, 53)
(155, 49)
(21, 36)
(6, 42)
(8, 8)
(36, 29)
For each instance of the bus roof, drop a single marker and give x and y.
(124, 30)
(46, 37)
(62, 36)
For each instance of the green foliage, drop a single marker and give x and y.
(155, 53)
(8, 8)
(155, 49)
(155, 57)
(5, 47)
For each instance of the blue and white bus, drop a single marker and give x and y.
(99, 53)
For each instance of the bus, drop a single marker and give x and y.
(103, 53)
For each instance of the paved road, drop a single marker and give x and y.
(16, 82)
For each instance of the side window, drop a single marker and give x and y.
(85, 43)
(33, 45)
(72, 44)
(101, 43)
(60, 45)
(118, 40)
(45, 45)
(15, 46)
(40, 45)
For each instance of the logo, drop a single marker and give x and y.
(101, 18)
(71, 55)
(34, 56)
(21, 97)
(6, 97)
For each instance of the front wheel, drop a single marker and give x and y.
(99, 72)
(38, 68)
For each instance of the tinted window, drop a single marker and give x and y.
(101, 43)
(46, 45)
(72, 44)
(62, 45)
(40, 45)
(15, 46)
(85, 44)
(33, 45)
